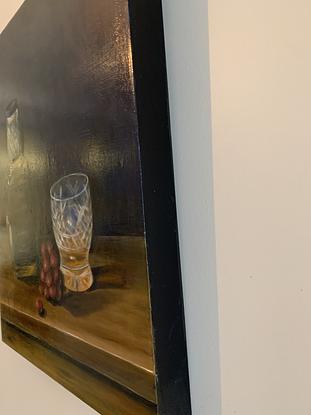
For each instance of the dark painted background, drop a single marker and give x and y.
(72, 77)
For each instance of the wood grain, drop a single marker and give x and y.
(108, 329)
(100, 393)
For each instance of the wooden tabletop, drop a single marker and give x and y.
(107, 329)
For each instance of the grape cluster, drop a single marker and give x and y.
(50, 275)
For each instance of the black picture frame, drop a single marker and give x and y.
(150, 74)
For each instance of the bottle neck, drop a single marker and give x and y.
(14, 137)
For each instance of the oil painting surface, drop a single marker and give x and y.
(73, 268)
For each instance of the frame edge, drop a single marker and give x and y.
(160, 216)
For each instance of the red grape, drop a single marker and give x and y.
(53, 292)
(39, 304)
(56, 276)
(49, 279)
(42, 276)
(40, 308)
(54, 261)
(45, 264)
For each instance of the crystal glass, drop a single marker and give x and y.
(72, 216)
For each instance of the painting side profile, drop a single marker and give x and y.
(78, 274)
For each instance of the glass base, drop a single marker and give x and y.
(78, 280)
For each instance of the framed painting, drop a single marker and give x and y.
(90, 278)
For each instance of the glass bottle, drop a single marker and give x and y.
(20, 217)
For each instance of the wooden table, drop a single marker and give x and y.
(97, 344)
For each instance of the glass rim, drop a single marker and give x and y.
(64, 199)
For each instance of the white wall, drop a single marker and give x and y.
(261, 109)
(7, 10)
(186, 30)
